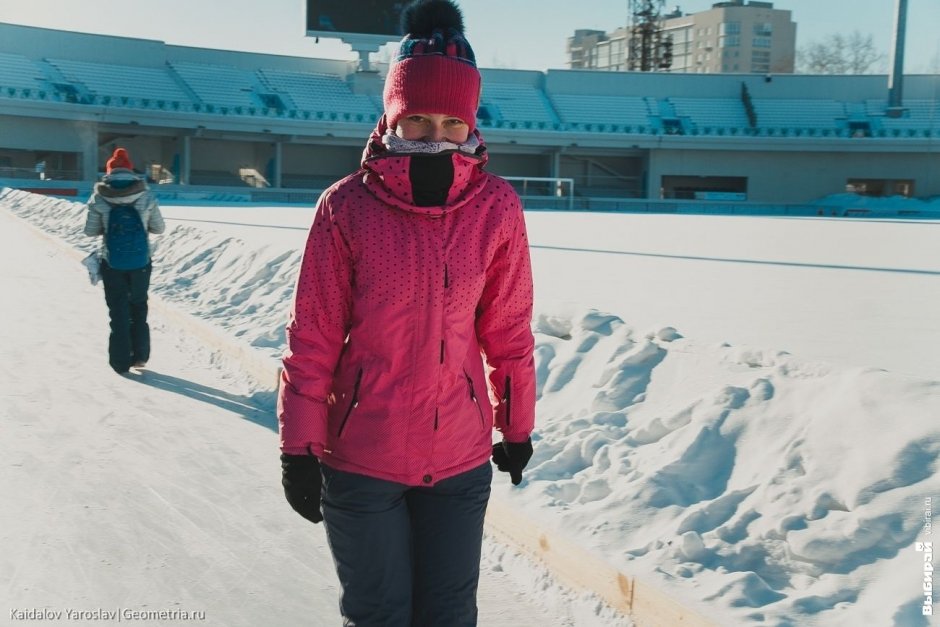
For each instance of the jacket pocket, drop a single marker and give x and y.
(473, 398)
(353, 403)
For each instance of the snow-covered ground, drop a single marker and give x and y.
(740, 411)
(157, 496)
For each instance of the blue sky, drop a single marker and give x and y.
(521, 34)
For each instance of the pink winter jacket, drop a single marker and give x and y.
(396, 308)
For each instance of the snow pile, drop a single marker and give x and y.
(779, 489)
(240, 288)
(754, 485)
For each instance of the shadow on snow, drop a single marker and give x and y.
(257, 408)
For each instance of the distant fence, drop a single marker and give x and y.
(39, 174)
(557, 190)
(702, 207)
(639, 205)
(80, 190)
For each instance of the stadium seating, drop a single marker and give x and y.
(711, 113)
(580, 110)
(920, 115)
(818, 113)
(121, 83)
(222, 87)
(20, 73)
(227, 90)
(518, 104)
(319, 93)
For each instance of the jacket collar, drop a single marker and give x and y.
(121, 195)
(386, 175)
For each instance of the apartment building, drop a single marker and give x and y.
(736, 36)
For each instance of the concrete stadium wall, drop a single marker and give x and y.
(224, 155)
(516, 77)
(45, 43)
(792, 177)
(144, 150)
(784, 86)
(847, 87)
(252, 61)
(509, 164)
(23, 133)
(334, 162)
(42, 43)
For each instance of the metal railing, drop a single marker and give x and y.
(47, 174)
(558, 190)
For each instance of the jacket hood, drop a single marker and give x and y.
(120, 192)
(386, 175)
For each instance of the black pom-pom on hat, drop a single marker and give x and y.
(423, 17)
(434, 27)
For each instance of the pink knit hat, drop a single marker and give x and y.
(435, 70)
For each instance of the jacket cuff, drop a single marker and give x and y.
(516, 438)
(301, 423)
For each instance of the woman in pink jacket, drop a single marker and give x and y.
(409, 340)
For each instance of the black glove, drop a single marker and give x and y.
(512, 457)
(302, 483)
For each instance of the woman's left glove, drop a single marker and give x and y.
(512, 457)
(302, 484)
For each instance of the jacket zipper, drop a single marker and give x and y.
(352, 405)
(507, 400)
(473, 397)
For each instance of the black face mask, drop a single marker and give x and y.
(431, 177)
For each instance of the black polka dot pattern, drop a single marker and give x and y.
(397, 307)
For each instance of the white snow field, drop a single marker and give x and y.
(155, 498)
(740, 411)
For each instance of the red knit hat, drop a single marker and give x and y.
(119, 160)
(435, 70)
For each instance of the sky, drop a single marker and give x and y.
(519, 34)
(707, 421)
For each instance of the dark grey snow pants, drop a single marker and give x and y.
(406, 556)
(125, 292)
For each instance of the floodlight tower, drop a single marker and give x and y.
(650, 50)
(896, 78)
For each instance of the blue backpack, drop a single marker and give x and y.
(126, 239)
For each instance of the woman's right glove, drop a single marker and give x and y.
(300, 476)
(512, 457)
